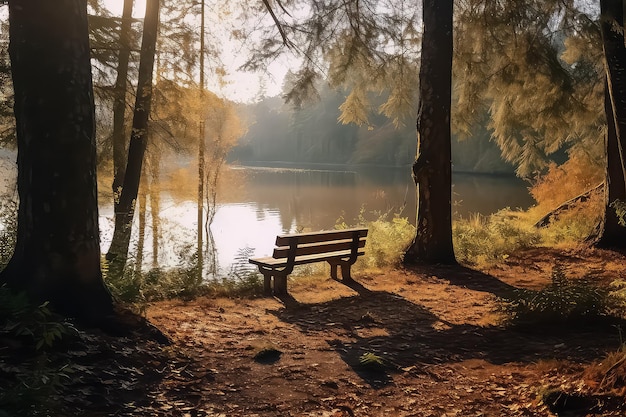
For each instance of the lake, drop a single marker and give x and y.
(270, 201)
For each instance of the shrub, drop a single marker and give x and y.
(31, 376)
(138, 288)
(8, 231)
(20, 318)
(482, 240)
(563, 300)
(620, 211)
(388, 236)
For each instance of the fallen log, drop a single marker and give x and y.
(552, 215)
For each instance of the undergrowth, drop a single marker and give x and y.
(481, 240)
(30, 373)
(563, 300)
(389, 234)
(130, 284)
(8, 230)
(609, 374)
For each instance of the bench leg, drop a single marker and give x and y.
(280, 284)
(333, 270)
(345, 270)
(267, 283)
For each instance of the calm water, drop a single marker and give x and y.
(273, 201)
(270, 201)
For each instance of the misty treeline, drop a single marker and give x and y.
(534, 90)
(527, 77)
(313, 135)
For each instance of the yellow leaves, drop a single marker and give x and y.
(355, 109)
(401, 104)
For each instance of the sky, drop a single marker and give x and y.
(240, 86)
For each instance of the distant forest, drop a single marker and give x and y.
(280, 133)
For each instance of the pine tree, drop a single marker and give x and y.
(57, 255)
(432, 169)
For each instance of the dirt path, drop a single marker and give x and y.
(433, 328)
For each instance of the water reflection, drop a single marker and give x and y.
(315, 199)
(273, 201)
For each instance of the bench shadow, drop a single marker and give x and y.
(406, 335)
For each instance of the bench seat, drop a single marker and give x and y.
(337, 247)
(304, 259)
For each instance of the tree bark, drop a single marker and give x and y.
(432, 170)
(611, 233)
(57, 254)
(125, 209)
(155, 207)
(119, 105)
(201, 151)
(141, 239)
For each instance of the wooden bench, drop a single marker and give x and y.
(337, 247)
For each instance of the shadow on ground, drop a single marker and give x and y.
(406, 335)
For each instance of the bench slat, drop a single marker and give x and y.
(314, 237)
(304, 259)
(322, 247)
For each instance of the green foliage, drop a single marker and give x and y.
(137, 287)
(20, 318)
(553, 47)
(33, 387)
(245, 285)
(478, 240)
(573, 228)
(563, 300)
(30, 375)
(372, 362)
(618, 293)
(388, 236)
(8, 232)
(488, 239)
(620, 210)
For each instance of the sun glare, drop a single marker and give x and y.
(115, 7)
(235, 85)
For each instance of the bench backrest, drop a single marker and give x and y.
(320, 242)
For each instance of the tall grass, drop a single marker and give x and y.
(137, 287)
(8, 230)
(389, 234)
(481, 240)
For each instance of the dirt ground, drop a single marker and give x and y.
(433, 328)
(419, 342)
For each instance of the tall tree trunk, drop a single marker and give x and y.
(155, 207)
(200, 206)
(612, 234)
(201, 149)
(141, 235)
(57, 254)
(432, 170)
(124, 211)
(119, 105)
